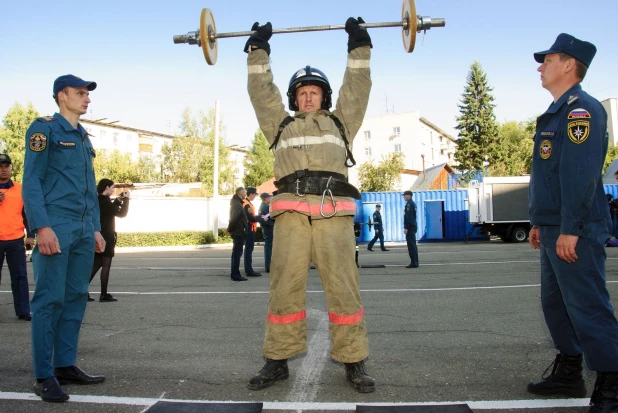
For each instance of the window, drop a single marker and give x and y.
(397, 148)
(396, 131)
(368, 151)
(367, 134)
(115, 138)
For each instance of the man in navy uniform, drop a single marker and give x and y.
(378, 228)
(571, 223)
(60, 199)
(409, 228)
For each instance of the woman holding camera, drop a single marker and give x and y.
(109, 211)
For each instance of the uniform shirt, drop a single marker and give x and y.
(409, 215)
(570, 145)
(58, 173)
(12, 213)
(264, 210)
(377, 221)
(312, 141)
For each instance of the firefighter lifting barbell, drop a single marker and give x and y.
(206, 35)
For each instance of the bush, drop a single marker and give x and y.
(164, 239)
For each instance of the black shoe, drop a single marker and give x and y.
(75, 375)
(565, 378)
(356, 374)
(384, 249)
(369, 249)
(25, 317)
(267, 270)
(254, 274)
(412, 266)
(238, 278)
(605, 395)
(272, 371)
(107, 298)
(50, 391)
(90, 298)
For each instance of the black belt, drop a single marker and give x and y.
(316, 183)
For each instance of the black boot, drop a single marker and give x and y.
(605, 395)
(565, 378)
(272, 371)
(49, 390)
(356, 374)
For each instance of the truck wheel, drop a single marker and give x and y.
(519, 234)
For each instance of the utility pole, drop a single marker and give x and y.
(215, 179)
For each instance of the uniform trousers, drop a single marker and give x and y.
(15, 253)
(239, 243)
(249, 245)
(576, 303)
(329, 244)
(379, 235)
(268, 233)
(60, 295)
(412, 247)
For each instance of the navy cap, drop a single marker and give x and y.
(251, 190)
(565, 43)
(4, 158)
(72, 81)
(378, 206)
(408, 193)
(264, 195)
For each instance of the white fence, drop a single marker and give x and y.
(158, 214)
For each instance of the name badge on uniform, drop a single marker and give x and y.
(548, 133)
(545, 149)
(64, 144)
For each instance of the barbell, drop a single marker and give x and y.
(206, 36)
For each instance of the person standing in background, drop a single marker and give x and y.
(267, 225)
(109, 211)
(237, 228)
(378, 227)
(251, 229)
(409, 228)
(14, 221)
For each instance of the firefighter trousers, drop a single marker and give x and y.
(330, 245)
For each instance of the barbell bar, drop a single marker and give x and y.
(409, 25)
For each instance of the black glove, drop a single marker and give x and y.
(259, 39)
(358, 35)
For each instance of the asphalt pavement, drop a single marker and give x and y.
(465, 327)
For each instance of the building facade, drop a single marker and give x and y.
(141, 143)
(611, 107)
(424, 144)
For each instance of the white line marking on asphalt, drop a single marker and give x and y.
(479, 405)
(305, 386)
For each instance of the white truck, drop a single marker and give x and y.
(499, 206)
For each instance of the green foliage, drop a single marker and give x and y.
(260, 161)
(13, 135)
(160, 239)
(478, 129)
(516, 144)
(386, 176)
(117, 167)
(612, 153)
(190, 157)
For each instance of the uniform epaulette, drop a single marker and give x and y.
(572, 99)
(46, 119)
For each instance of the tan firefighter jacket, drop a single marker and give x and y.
(312, 141)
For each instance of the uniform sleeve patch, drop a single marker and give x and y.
(38, 142)
(545, 149)
(579, 113)
(579, 131)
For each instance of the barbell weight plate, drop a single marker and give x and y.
(408, 12)
(209, 47)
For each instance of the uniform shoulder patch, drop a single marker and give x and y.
(45, 119)
(37, 142)
(579, 113)
(578, 131)
(572, 99)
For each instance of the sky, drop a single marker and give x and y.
(145, 80)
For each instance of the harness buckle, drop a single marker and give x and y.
(298, 188)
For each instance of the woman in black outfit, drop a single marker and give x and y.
(109, 211)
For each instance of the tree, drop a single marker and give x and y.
(516, 142)
(478, 130)
(13, 135)
(190, 158)
(612, 153)
(385, 176)
(259, 162)
(118, 167)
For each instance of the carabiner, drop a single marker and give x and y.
(332, 200)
